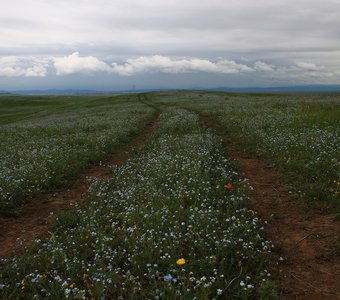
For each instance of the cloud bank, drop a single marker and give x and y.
(163, 64)
(11, 66)
(77, 65)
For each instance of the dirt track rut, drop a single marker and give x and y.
(35, 217)
(303, 237)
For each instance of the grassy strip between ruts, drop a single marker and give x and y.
(172, 223)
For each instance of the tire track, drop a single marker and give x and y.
(305, 238)
(35, 217)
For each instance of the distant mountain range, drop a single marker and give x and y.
(286, 89)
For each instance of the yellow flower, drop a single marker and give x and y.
(131, 277)
(181, 261)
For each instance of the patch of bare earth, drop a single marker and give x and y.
(304, 237)
(37, 214)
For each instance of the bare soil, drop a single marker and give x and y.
(35, 216)
(303, 237)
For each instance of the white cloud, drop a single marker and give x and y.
(262, 66)
(164, 64)
(40, 66)
(231, 67)
(76, 64)
(11, 66)
(309, 66)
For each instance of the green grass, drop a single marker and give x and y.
(17, 108)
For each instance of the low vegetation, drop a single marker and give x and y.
(171, 223)
(297, 134)
(174, 221)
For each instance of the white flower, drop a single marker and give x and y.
(168, 278)
(242, 283)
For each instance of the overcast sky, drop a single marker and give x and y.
(112, 45)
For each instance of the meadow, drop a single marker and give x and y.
(174, 221)
(297, 134)
(163, 226)
(47, 140)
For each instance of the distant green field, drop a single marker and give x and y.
(16, 108)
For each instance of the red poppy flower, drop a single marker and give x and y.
(229, 186)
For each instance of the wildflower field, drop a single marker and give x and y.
(298, 134)
(39, 154)
(174, 221)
